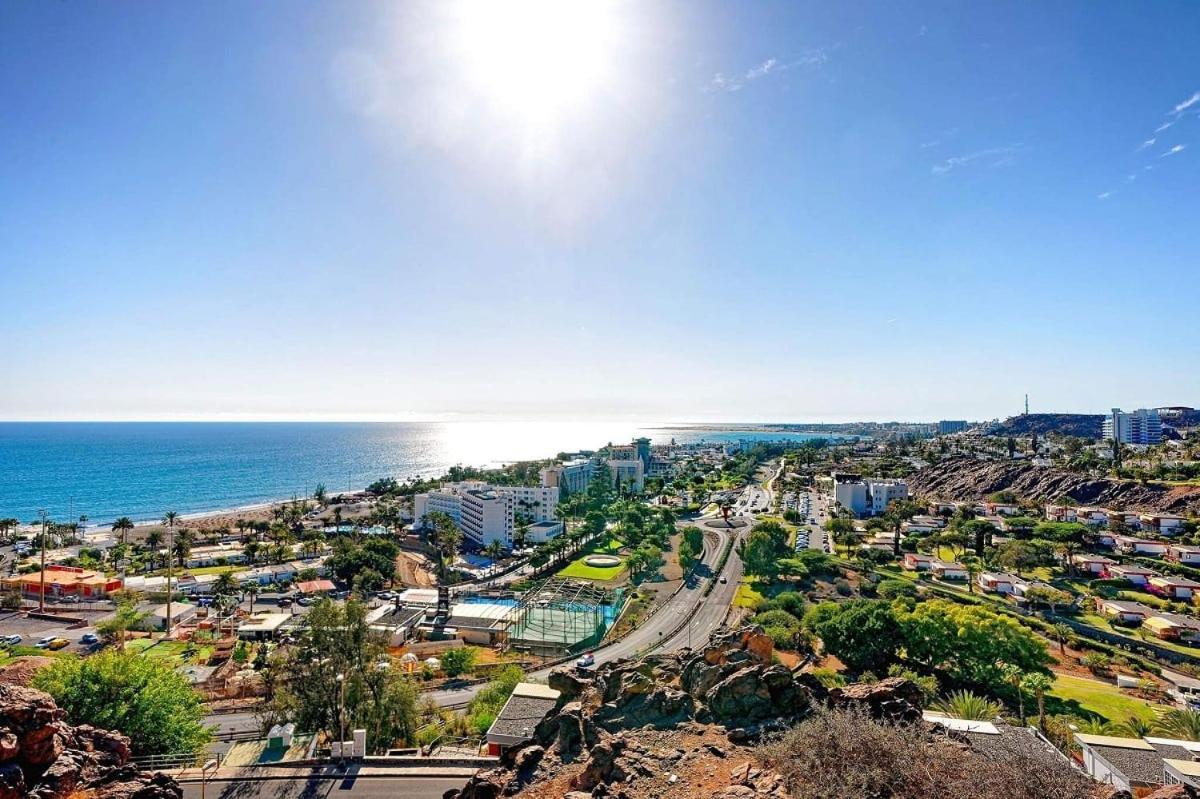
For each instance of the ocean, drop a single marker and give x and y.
(142, 469)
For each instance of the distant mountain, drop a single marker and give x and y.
(1081, 425)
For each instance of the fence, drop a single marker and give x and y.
(174, 762)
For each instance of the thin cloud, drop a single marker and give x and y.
(1178, 148)
(1188, 103)
(1003, 156)
(1148, 142)
(1104, 195)
(772, 66)
(1164, 126)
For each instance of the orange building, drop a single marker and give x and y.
(63, 581)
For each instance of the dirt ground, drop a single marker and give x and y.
(413, 570)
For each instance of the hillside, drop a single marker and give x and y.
(1081, 425)
(970, 479)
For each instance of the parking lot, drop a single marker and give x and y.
(32, 630)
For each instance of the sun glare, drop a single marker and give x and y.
(535, 61)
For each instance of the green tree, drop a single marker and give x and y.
(459, 660)
(1037, 683)
(446, 538)
(1179, 723)
(143, 698)
(306, 689)
(121, 527)
(126, 618)
(764, 548)
(972, 643)
(862, 633)
(842, 531)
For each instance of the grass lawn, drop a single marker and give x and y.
(217, 569)
(1135, 632)
(1145, 598)
(10, 653)
(1101, 698)
(580, 570)
(170, 650)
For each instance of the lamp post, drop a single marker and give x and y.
(204, 770)
(42, 588)
(341, 680)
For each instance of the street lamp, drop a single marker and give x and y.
(207, 767)
(341, 680)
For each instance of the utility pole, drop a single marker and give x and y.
(42, 590)
(170, 570)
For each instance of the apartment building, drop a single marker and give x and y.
(869, 497)
(572, 477)
(486, 513)
(1142, 426)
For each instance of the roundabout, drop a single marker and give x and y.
(721, 524)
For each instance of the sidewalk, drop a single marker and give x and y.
(324, 771)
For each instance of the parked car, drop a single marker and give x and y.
(59, 643)
(45, 642)
(89, 639)
(285, 601)
(10, 640)
(304, 601)
(723, 579)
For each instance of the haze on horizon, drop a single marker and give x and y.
(542, 210)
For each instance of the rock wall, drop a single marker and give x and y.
(42, 756)
(971, 479)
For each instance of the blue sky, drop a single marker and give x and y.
(673, 212)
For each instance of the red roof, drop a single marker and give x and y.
(315, 586)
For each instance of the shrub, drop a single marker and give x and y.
(843, 588)
(840, 754)
(893, 588)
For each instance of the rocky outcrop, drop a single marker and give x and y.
(42, 756)
(971, 479)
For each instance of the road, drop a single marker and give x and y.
(320, 787)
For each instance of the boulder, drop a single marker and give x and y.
(894, 699)
(569, 683)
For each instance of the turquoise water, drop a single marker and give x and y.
(143, 469)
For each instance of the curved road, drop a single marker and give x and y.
(658, 631)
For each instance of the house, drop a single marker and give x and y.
(1184, 554)
(1128, 612)
(1131, 520)
(1002, 508)
(1103, 538)
(1142, 546)
(1097, 517)
(1092, 564)
(1173, 627)
(528, 705)
(217, 554)
(1181, 771)
(998, 582)
(1129, 764)
(1060, 513)
(262, 626)
(926, 520)
(1173, 587)
(914, 561)
(944, 570)
(1137, 575)
(62, 581)
(1164, 523)
(921, 528)
(181, 612)
(1001, 741)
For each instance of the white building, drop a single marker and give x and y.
(486, 513)
(869, 497)
(572, 477)
(631, 474)
(1142, 426)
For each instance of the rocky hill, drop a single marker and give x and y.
(971, 479)
(693, 725)
(1080, 425)
(43, 757)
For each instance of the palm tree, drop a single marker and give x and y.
(1180, 724)
(154, 540)
(169, 520)
(1063, 634)
(1037, 684)
(1013, 676)
(1094, 725)
(1135, 727)
(121, 527)
(969, 706)
(252, 592)
(494, 549)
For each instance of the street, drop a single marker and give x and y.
(306, 787)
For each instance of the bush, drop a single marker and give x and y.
(458, 661)
(843, 753)
(843, 588)
(892, 588)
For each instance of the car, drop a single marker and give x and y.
(723, 579)
(45, 642)
(58, 643)
(304, 601)
(10, 640)
(285, 601)
(69, 599)
(585, 662)
(89, 639)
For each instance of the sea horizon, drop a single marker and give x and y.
(108, 469)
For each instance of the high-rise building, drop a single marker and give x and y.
(642, 448)
(572, 477)
(869, 497)
(486, 513)
(1142, 426)
(947, 426)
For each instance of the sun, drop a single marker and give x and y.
(535, 62)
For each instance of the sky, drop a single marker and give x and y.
(657, 211)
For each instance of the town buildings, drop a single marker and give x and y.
(866, 497)
(947, 426)
(1142, 426)
(486, 513)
